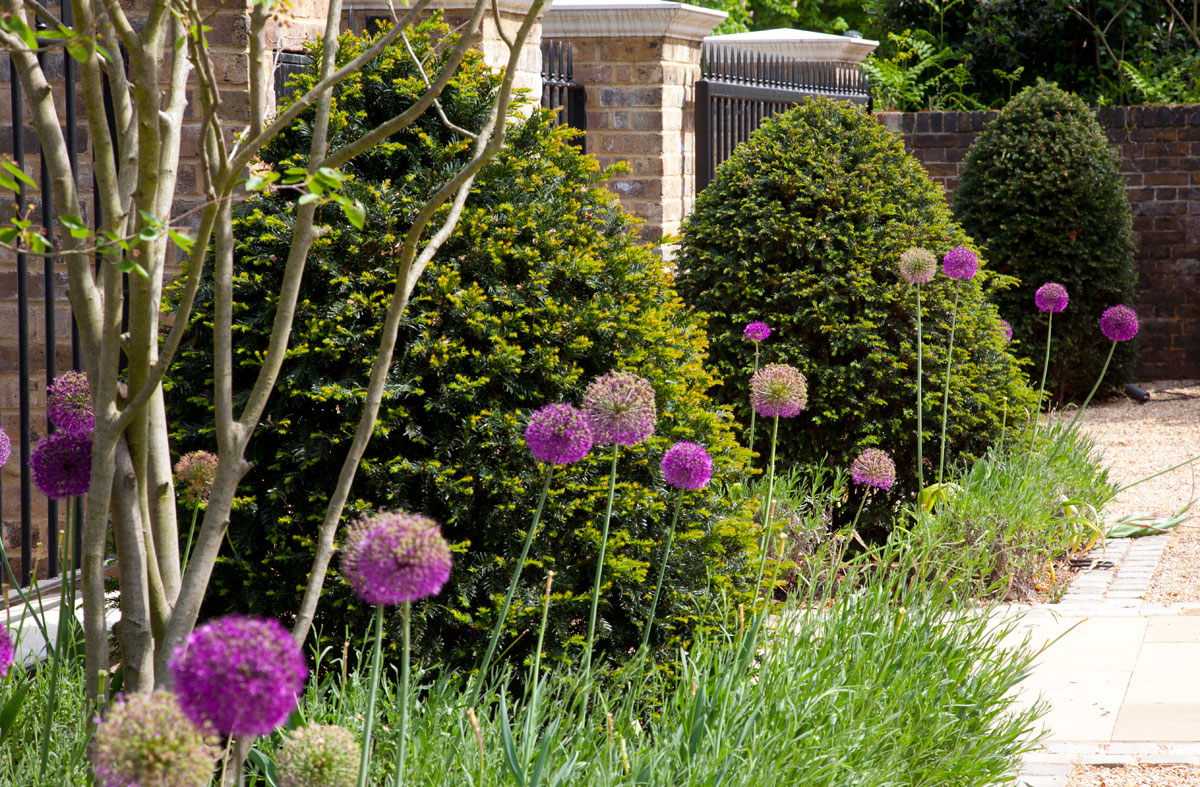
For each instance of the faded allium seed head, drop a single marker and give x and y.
(756, 331)
(917, 265)
(558, 434)
(778, 390)
(5, 447)
(145, 740)
(1051, 297)
(960, 263)
(62, 464)
(873, 467)
(1006, 329)
(1119, 323)
(69, 403)
(687, 466)
(239, 674)
(319, 755)
(620, 407)
(194, 474)
(392, 557)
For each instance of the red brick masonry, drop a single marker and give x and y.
(1160, 159)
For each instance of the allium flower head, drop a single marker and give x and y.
(5, 447)
(1119, 323)
(239, 674)
(1051, 297)
(778, 390)
(319, 755)
(69, 403)
(756, 331)
(687, 466)
(194, 474)
(960, 263)
(620, 408)
(1006, 329)
(393, 556)
(917, 266)
(6, 652)
(558, 434)
(147, 741)
(62, 464)
(873, 467)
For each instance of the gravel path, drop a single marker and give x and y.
(1136, 776)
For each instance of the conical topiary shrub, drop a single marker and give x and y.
(1041, 190)
(803, 228)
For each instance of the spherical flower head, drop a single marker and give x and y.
(239, 674)
(62, 464)
(6, 652)
(1051, 297)
(960, 263)
(778, 390)
(687, 466)
(1119, 323)
(1006, 330)
(917, 266)
(620, 408)
(393, 556)
(194, 474)
(756, 331)
(146, 741)
(873, 467)
(5, 447)
(69, 403)
(559, 434)
(319, 755)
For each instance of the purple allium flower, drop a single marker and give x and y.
(960, 263)
(6, 652)
(687, 466)
(69, 403)
(1051, 297)
(239, 674)
(62, 464)
(393, 556)
(194, 474)
(319, 755)
(917, 266)
(778, 390)
(756, 331)
(145, 739)
(620, 408)
(873, 467)
(558, 434)
(1119, 323)
(1006, 329)
(5, 447)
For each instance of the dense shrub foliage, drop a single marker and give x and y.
(540, 289)
(1042, 191)
(802, 228)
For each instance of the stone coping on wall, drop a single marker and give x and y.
(516, 7)
(799, 44)
(629, 19)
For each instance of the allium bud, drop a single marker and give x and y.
(917, 266)
(393, 557)
(319, 755)
(778, 390)
(1051, 297)
(687, 466)
(69, 403)
(960, 263)
(874, 467)
(1119, 323)
(620, 407)
(145, 740)
(558, 434)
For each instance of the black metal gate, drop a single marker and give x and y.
(738, 90)
(560, 91)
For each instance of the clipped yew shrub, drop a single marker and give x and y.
(541, 288)
(802, 229)
(1041, 189)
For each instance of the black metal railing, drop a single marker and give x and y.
(559, 89)
(738, 90)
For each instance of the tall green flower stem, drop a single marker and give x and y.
(512, 589)
(364, 762)
(920, 398)
(536, 675)
(1095, 388)
(612, 490)
(187, 551)
(662, 571)
(946, 387)
(1046, 363)
(753, 413)
(66, 611)
(405, 681)
(767, 518)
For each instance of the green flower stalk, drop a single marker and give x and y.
(918, 266)
(756, 332)
(1118, 324)
(1050, 298)
(961, 265)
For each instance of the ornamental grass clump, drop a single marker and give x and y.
(317, 755)
(146, 740)
(239, 675)
(69, 403)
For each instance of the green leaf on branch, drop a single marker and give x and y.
(356, 214)
(184, 242)
(307, 198)
(126, 265)
(74, 225)
(18, 173)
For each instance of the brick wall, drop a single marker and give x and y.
(1160, 160)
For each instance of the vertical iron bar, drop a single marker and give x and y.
(47, 211)
(18, 140)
